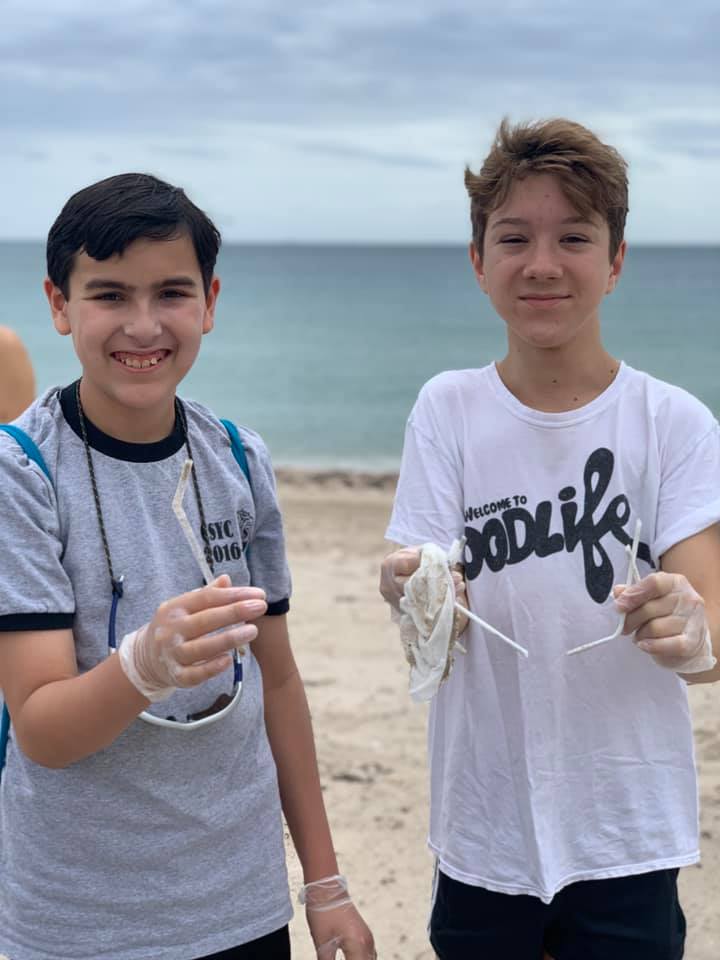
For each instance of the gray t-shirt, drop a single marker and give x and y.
(167, 844)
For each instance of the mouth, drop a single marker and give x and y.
(544, 299)
(141, 361)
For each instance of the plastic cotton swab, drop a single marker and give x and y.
(632, 576)
(486, 626)
(179, 511)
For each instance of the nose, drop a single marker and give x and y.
(542, 263)
(142, 324)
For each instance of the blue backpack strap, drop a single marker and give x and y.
(238, 450)
(31, 450)
(28, 445)
(4, 734)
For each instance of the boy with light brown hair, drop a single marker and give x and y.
(563, 788)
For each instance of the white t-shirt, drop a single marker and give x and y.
(555, 769)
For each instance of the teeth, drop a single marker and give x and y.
(138, 364)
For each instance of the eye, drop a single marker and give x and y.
(173, 294)
(513, 240)
(110, 296)
(575, 238)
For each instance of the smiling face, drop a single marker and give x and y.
(136, 320)
(545, 268)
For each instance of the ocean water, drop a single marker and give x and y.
(322, 349)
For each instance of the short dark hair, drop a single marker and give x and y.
(106, 217)
(592, 174)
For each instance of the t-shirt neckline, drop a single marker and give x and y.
(564, 418)
(111, 446)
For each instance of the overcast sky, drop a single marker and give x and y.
(351, 121)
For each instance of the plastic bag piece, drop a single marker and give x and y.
(427, 615)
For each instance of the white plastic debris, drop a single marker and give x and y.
(427, 617)
(633, 576)
(179, 511)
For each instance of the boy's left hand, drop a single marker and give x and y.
(668, 619)
(341, 929)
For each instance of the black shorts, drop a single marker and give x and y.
(274, 946)
(626, 918)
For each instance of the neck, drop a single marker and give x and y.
(558, 379)
(143, 425)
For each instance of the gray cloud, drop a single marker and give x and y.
(218, 62)
(693, 138)
(226, 95)
(351, 152)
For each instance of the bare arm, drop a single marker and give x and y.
(287, 719)
(698, 559)
(17, 381)
(60, 716)
(289, 728)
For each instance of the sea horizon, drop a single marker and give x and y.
(323, 347)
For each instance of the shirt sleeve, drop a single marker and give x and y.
(35, 590)
(429, 498)
(689, 499)
(267, 560)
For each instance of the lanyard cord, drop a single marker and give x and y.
(117, 582)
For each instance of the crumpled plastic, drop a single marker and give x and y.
(427, 620)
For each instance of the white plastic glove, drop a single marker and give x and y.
(668, 619)
(399, 566)
(429, 624)
(334, 922)
(180, 648)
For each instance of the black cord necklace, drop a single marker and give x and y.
(117, 582)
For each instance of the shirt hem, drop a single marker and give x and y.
(519, 889)
(203, 948)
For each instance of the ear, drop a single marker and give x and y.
(58, 307)
(616, 267)
(210, 302)
(477, 266)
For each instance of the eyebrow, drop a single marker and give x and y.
(99, 283)
(520, 222)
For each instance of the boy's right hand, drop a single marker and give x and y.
(399, 566)
(396, 570)
(176, 649)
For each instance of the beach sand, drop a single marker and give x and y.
(371, 737)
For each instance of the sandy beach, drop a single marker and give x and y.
(371, 737)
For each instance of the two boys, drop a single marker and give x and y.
(563, 788)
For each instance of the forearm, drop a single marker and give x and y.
(67, 720)
(287, 718)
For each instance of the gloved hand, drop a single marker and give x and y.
(334, 922)
(668, 619)
(399, 566)
(176, 649)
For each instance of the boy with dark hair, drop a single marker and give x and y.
(140, 810)
(563, 788)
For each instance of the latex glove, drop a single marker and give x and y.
(396, 569)
(668, 619)
(179, 647)
(399, 566)
(335, 925)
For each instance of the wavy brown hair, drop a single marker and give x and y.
(592, 174)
